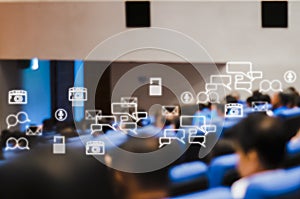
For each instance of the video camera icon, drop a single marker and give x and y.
(17, 97)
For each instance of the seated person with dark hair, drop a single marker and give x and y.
(279, 102)
(230, 99)
(260, 144)
(149, 185)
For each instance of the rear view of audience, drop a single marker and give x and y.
(260, 144)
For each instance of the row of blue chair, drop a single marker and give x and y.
(272, 185)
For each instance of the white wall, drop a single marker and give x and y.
(227, 30)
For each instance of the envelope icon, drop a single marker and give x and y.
(128, 100)
(91, 114)
(34, 130)
(260, 106)
(170, 110)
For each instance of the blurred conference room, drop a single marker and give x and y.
(150, 99)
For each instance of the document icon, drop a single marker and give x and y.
(92, 114)
(59, 146)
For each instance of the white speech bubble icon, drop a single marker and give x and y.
(197, 139)
(107, 120)
(193, 121)
(221, 80)
(164, 141)
(172, 134)
(120, 108)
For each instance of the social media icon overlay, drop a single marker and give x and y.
(260, 106)
(290, 76)
(95, 148)
(59, 145)
(34, 130)
(172, 134)
(61, 114)
(17, 97)
(14, 143)
(77, 94)
(12, 120)
(155, 88)
(233, 110)
(91, 114)
(267, 85)
(186, 97)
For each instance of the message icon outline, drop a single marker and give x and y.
(122, 107)
(99, 126)
(170, 138)
(243, 80)
(193, 135)
(200, 127)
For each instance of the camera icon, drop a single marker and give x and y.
(17, 97)
(95, 148)
(77, 94)
(233, 110)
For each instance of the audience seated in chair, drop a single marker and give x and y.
(260, 144)
(138, 185)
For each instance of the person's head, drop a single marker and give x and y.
(230, 99)
(280, 99)
(236, 95)
(265, 98)
(292, 96)
(260, 142)
(148, 185)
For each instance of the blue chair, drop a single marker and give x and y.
(219, 167)
(293, 148)
(188, 177)
(187, 171)
(273, 185)
(215, 193)
(289, 113)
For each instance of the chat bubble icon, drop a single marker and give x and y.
(164, 141)
(107, 121)
(202, 98)
(20, 118)
(220, 80)
(209, 128)
(256, 74)
(128, 126)
(140, 116)
(195, 121)
(211, 86)
(118, 108)
(95, 128)
(172, 134)
(197, 139)
(244, 68)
